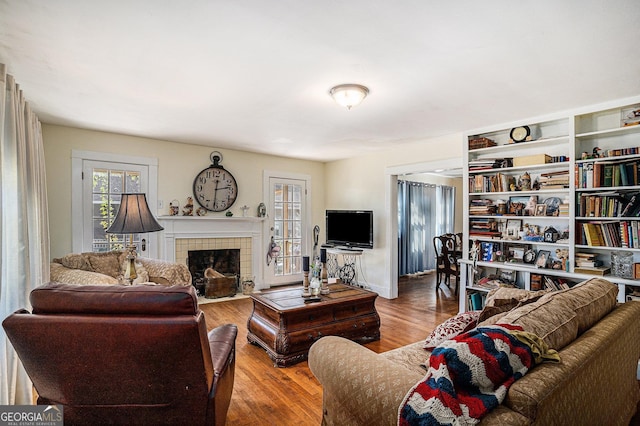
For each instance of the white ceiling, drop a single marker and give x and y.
(255, 74)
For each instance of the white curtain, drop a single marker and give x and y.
(24, 230)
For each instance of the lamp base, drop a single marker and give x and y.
(130, 274)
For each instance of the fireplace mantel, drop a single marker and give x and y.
(190, 227)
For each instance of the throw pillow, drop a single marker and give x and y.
(451, 328)
(107, 263)
(59, 273)
(74, 261)
(504, 299)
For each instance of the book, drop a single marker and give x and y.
(608, 175)
(476, 301)
(596, 270)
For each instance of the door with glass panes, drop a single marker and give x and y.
(287, 225)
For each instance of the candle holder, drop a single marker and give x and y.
(305, 285)
(325, 281)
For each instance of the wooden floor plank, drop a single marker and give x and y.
(266, 395)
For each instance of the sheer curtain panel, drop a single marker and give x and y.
(24, 252)
(424, 211)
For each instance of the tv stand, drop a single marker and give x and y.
(347, 272)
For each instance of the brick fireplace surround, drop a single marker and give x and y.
(184, 233)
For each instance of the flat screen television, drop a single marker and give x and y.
(350, 228)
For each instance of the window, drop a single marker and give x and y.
(107, 185)
(98, 181)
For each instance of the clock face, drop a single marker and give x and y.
(519, 134)
(215, 189)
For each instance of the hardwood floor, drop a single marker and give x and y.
(266, 395)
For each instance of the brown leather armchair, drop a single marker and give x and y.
(125, 354)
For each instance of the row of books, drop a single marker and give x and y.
(482, 207)
(541, 282)
(607, 174)
(479, 227)
(496, 183)
(623, 233)
(488, 164)
(475, 301)
(613, 204)
(554, 180)
(589, 260)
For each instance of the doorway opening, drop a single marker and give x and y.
(447, 173)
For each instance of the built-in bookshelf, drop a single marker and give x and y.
(552, 207)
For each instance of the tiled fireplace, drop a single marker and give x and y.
(189, 233)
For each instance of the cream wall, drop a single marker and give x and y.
(178, 164)
(364, 183)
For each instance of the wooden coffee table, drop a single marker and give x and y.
(286, 327)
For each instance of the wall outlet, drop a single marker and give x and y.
(160, 204)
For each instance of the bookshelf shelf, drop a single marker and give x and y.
(607, 248)
(559, 165)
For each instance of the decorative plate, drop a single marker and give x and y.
(529, 256)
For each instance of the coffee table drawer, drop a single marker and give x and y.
(364, 329)
(308, 318)
(354, 310)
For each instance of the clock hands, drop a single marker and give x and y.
(215, 192)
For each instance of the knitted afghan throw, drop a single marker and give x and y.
(468, 376)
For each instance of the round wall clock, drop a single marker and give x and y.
(520, 134)
(214, 188)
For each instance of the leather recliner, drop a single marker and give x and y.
(125, 354)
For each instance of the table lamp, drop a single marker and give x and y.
(133, 217)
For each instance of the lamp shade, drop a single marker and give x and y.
(134, 216)
(349, 95)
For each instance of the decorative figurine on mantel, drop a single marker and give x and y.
(244, 210)
(262, 210)
(174, 208)
(187, 210)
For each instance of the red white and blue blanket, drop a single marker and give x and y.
(468, 376)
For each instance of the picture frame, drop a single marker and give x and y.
(513, 229)
(515, 253)
(542, 258)
(507, 276)
(541, 210)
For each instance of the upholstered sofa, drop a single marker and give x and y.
(594, 383)
(108, 268)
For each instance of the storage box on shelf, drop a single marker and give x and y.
(584, 168)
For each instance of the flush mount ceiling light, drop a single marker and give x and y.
(349, 95)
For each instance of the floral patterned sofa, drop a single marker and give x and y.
(108, 268)
(594, 383)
